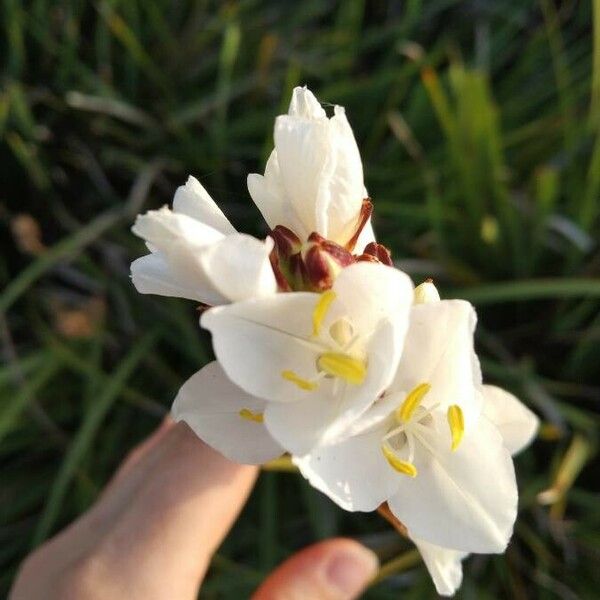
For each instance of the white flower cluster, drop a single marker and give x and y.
(324, 350)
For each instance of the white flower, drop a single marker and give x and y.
(424, 447)
(518, 426)
(319, 360)
(313, 179)
(196, 253)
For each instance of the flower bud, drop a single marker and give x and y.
(282, 282)
(426, 292)
(287, 243)
(323, 260)
(375, 252)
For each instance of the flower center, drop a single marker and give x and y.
(335, 354)
(411, 421)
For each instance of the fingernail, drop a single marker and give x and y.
(350, 569)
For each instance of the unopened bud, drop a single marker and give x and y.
(282, 283)
(323, 260)
(366, 258)
(426, 292)
(379, 252)
(286, 259)
(287, 243)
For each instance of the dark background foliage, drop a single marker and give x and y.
(479, 126)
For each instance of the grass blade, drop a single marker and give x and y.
(84, 438)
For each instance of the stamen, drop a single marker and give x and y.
(412, 401)
(394, 432)
(247, 414)
(419, 437)
(321, 309)
(401, 428)
(397, 464)
(343, 366)
(303, 384)
(457, 424)
(411, 447)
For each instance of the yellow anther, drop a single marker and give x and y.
(247, 414)
(411, 402)
(397, 464)
(321, 309)
(342, 365)
(303, 384)
(457, 424)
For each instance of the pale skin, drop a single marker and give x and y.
(155, 527)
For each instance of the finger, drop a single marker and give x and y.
(173, 508)
(338, 569)
(154, 530)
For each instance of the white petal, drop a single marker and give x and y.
(210, 404)
(194, 201)
(465, 499)
(270, 197)
(340, 199)
(304, 104)
(239, 267)
(267, 193)
(178, 240)
(350, 473)
(515, 422)
(306, 161)
(444, 566)
(151, 274)
(163, 227)
(371, 292)
(379, 411)
(300, 426)
(256, 340)
(438, 350)
(383, 353)
(318, 420)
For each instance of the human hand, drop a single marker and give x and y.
(154, 529)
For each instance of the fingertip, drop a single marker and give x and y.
(338, 569)
(350, 568)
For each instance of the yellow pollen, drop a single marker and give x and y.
(343, 366)
(320, 311)
(457, 424)
(401, 466)
(411, 402)
(247, 414)
(303, 384)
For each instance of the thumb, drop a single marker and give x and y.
(337, 569)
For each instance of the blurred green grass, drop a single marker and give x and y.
(479, 125)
